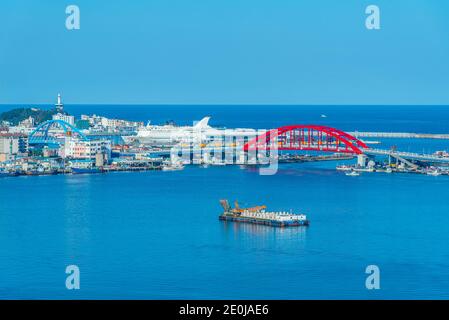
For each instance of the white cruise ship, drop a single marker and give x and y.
(167, 135)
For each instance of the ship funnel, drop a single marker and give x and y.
(202, 124)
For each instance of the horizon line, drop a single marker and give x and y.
(224, 104)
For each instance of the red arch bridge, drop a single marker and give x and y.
(308, 138)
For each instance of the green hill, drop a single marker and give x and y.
(16, 115)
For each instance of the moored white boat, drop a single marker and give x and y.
(172, 166)
(344, 168)
(352, 174)
(434, 173)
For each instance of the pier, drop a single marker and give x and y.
(401, 135)
(407, 155)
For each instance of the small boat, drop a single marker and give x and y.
(216, 162)
(32, 173)
(323, 116)
(371, 142)
(172, 167)
(369, 169)
(8, 174)
(344, 168)
(442, 154)
(388, 170)
(352, 174)
(434, 173)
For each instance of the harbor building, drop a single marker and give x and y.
(362, 160)
(89, 149)
(64, 117)
(118, 123)
(24, 127)
(13, 143)
(99, 123)
(27, 123)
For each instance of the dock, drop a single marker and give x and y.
(407, 155)
(401, 135)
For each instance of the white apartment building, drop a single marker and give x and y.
(64, 117)
(27, 123)
(78, 149)
(104, 122)
(9, 145)
(13, 143)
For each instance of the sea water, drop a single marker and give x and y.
(157, 235)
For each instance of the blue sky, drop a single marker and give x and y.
(225, 52)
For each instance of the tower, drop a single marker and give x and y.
(59, 105)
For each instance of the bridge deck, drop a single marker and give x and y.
(406, 155)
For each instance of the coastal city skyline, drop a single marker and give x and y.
(251, 52)
(62, 140)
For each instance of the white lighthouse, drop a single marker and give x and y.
(59, 105)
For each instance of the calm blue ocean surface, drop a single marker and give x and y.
(156, 234)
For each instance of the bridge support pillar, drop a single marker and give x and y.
(362, 160)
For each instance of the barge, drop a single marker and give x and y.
(258, 215)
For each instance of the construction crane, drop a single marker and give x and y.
(237, 209)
